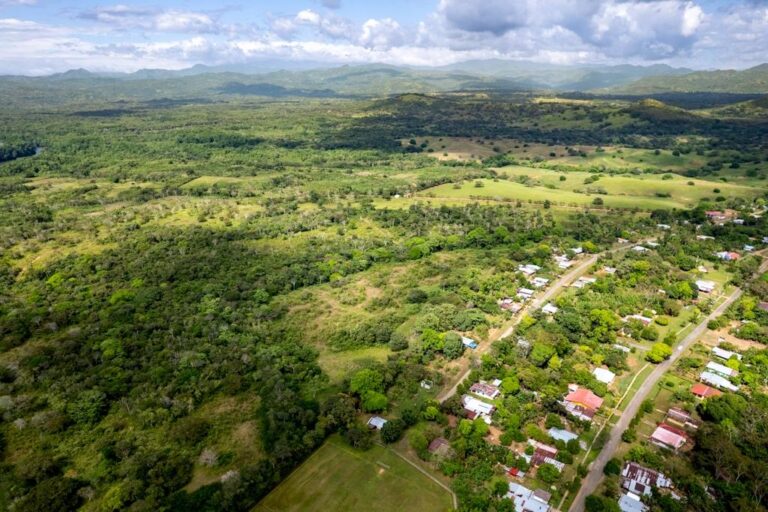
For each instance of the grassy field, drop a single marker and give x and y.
(336, 477)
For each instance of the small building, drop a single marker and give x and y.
(721, 369)
(703, 391)
(609, 270)
(539, 282)
(680, 417)
(577, 250)
(525, 293)
(718, 381)
(705, 286)
(604, 375)
(624, 349)
(426, 384)
(641, 480)
(528, 269)
(640, 318)
(477, 408)
(544, 454)
(728, 255)
(510, 305)
(550, 309)
(583, 281)
(664, 226)
(582, 403)
(563, 262)
(704, 237)
(559, 434)
(748, 248)
(652, 245)
(640, 248)
(485, 390)
(469, 342)
(667, 436)
(526, 500)
(376, 422)
(725, 354)
(630, 502)
(439, 446)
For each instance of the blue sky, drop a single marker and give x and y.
(47, 36)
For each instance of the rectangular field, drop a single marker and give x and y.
(337, 477)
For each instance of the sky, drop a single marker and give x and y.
(39, 37)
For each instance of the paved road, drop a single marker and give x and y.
(592, 480)
(533, 305)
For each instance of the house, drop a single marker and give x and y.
(485, 390)
(544, 454)
(528, 269)
(604, 375)
(642, 319)
(705, 286)
(583, 281)
(630, 502)
(620, 240)
(680, 417)
(550, 309)
(376, 422)
(703, 391)
(718, 381)
(563, 262)
(738, 222)
(582, 403)
(728, 255)
(477, 408)
(609, 270)
(538, 282)
(469, 342)
(510, 305)
(426, 384)
(640, 248)
(559, 434)
(725, 354)
(577, 250)
(526, 500)
(667, 436)
(525, 293)
(624, 349)
(721, 369)
(748, 248)
(439, 446)
(640, 480)
(663, 226)
(704, 237)
(652, 245)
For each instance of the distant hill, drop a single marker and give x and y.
(752, 80)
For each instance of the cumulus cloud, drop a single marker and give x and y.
(163, 20)
(332, 26)
(382, 34)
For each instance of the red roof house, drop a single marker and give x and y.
(584, 398)
(704, 391)
(668, 436)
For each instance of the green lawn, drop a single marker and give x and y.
(337, 477)
(510, 191)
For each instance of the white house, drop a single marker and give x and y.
(549, 309)
(609, 270)
(525, 293)
(559, 434)
(526, 500)
(539, 282)
(718, 381)
(640, 248)
(604, 375)
(630, 502)
(705, 286)
(376, 422)
(725, 354)
(721, 369)
(528, 269)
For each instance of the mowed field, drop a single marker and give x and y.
(646, 191)
(337, 477)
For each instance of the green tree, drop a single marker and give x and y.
(373, 401)
(453, 348)
(366, 380)
(392, 431)
(658, 353)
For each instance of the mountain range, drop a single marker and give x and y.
(311, 79)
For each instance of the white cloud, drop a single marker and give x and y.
(162, 20)
(382, 34)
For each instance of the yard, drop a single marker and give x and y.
(337, 477)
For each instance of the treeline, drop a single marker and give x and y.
(17, 150)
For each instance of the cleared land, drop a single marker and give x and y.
(336, 477)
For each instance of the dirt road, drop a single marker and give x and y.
(567, 278)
